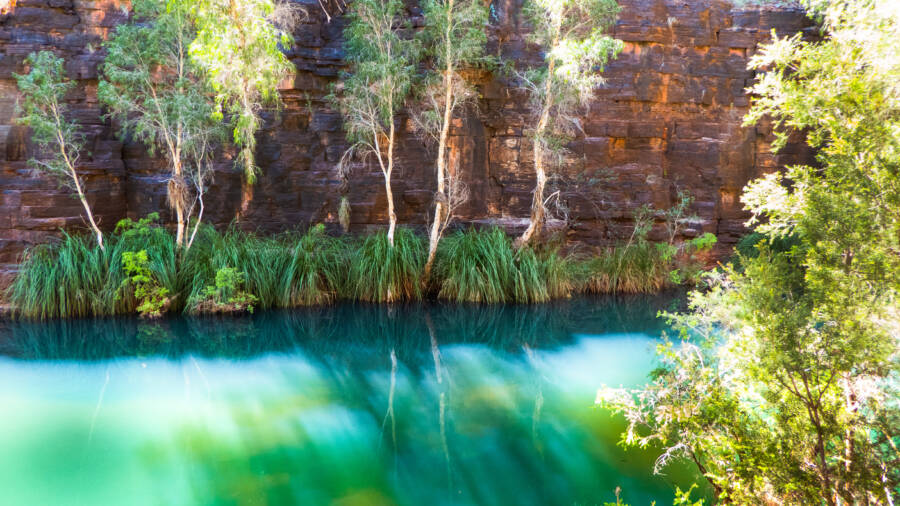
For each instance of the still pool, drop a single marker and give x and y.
(353, 404)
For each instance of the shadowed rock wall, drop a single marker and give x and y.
(668, 119)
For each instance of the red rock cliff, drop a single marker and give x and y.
(668, 119)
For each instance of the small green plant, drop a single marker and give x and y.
(226, 296)
(683, 497)
(143, 227)
(153, 298)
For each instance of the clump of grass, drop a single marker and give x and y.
(71, 278)
(475, 266)
(283, 271)
(380, 272)
(484, 266)
(262, 262)
(75, 278)
(316, 271)
(560, 274)
(630, 268)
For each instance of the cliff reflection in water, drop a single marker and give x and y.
(356, 404)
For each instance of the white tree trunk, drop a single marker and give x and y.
(392, 217)
(74, 175)
(536, 222)
(442, 198)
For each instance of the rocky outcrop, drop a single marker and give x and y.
(669, 119)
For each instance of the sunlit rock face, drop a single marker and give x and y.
(669, 118)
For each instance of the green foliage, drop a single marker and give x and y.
(454, 33)
(483, 266)
(572, 33)
(43, 109)
(158, 96)
(240, 46)
(72, 278)
(640, 266)
(381, 272)
(226, 296)
(382, 64)
(783, 387)
(476, 266)
(285, 271)
(153, 298)
(58, 140)
(454, 37)
(141, 271)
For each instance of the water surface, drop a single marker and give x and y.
(351, 404)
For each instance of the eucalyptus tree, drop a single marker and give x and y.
(240, 44)
(382, 65)
(576, 51)
(455, 35)
(57, 137)
(785, 389)
(160, 97)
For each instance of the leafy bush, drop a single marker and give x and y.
(153, 298)
(226, 296)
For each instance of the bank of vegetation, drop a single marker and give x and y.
(142, 271)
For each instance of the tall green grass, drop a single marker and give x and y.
(484, 266)
(73, 278)
(379, 272)
(639, 267)
(283, 271)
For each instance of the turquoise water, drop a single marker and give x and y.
(352, 404)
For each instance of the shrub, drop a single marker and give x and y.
(153, 298)
(226, 296)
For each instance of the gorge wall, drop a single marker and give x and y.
(668, 119)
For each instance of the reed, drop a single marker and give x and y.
(483, 266)
(639, 267)
(379, 272)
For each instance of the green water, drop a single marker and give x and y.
(352, 404)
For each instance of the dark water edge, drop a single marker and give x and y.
(348, 404)
(402, 326)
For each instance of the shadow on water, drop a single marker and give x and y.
(340, 328)
(350, 404)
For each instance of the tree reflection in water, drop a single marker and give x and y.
(350, 404)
